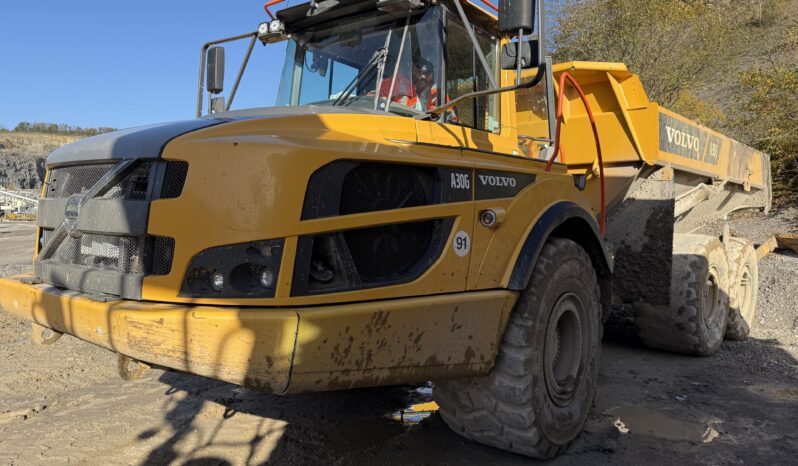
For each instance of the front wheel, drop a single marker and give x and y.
(537, 396)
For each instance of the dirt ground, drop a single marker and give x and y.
(65, 404)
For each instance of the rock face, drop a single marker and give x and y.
(18, 171)
(22, 157)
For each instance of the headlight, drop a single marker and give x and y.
(273, 31)
(246, 270)
(217, 281)
(276, 27)
(266, 278)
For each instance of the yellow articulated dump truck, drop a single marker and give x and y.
(429, 199)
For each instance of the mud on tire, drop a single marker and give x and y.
(744, 288)
(695, 321)
(537, 396)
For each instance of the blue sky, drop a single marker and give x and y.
(122, 64)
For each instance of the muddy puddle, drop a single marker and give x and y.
(356, 434)
(643, 421)
(420, 406)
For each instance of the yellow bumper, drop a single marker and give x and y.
(284, 349)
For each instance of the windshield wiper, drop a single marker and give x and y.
(378, 58)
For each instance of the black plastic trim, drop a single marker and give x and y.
(299, 283)
(556, 216)
(90, 280)
(324, 189)
(492, 184)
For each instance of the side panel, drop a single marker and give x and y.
(689, 146)
(246, 184)
(404, 341)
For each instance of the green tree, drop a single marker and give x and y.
(22, 126)
(769, 119)
(673, 45)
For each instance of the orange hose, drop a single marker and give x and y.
(558, 148)
(486, 2)
(271, 3)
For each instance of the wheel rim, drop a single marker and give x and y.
(565, 351)
(711, 300)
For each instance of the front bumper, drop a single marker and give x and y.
(284, 350)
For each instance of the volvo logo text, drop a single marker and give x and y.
(490, 180)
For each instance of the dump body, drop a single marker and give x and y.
(634, 129)
(665, 175)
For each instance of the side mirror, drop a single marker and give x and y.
(215, 80)
(512, 53)
(515, 15)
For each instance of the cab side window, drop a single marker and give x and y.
(465, 74)
(532, 118)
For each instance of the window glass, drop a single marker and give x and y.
(464, 74)
(531, 115)
(367, 65)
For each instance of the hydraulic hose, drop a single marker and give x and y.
(557, 147)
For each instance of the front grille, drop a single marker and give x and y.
(114, 253)
(65, 182)
(103, 253)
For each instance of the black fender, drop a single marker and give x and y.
(565, 220)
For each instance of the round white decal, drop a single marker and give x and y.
(462, 243)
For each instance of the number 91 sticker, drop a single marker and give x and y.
(461, 244)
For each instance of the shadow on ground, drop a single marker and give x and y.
(747, 394)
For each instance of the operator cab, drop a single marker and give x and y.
(405, 59)
(405, 63)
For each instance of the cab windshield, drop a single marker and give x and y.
(388, 62)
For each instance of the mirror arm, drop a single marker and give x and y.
(518, 65)
(203, 52)
(241, 72)
(490, 73)
(201, 89)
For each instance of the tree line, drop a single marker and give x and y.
(58, 128)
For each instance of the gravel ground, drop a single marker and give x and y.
(64, 404)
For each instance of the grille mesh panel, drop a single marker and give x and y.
(102, 252)
(68, 181)
(174, 179)
(163, 254)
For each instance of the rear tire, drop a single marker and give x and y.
(744, 274)
(537, 396)
(695, 321)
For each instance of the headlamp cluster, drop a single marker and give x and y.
(271, 31)
(246, 270)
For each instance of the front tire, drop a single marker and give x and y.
(537, 396)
